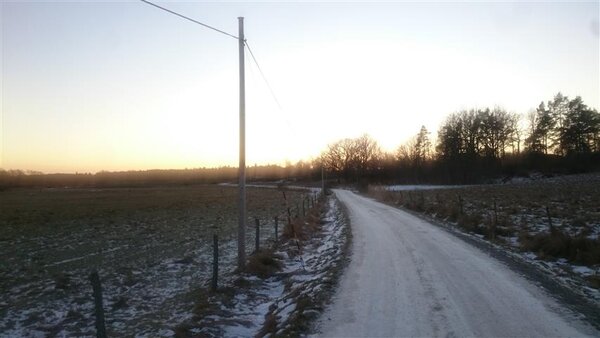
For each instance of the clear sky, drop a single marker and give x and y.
(89, 86)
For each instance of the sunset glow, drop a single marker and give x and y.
(122, 86)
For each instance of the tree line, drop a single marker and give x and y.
(475, 145)
(141, 178)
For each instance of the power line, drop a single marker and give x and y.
(284, 115)
(263, 76)
(190, 19)
(237, 38)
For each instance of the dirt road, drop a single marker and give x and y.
(410, 278)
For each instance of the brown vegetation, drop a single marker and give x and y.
(557, 244)
(139, 239)
(552, 218)
(264, 263)
(302, 228)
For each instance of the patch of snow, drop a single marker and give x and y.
(583, 270)
(302, 276)
(530, 255)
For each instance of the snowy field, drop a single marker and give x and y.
(286, 301)
(551, 222)
(152, 248)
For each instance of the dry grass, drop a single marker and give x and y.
(552, 218)
(269, 326)
(302, 228)
(50, 225)
(56, 235)
(557, 244)
(594, 281)
(264, 263)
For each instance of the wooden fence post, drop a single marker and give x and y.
(495, 221)
(276, 226)
(99, 309)
(257, 234)
(215, 275)
(303, 210)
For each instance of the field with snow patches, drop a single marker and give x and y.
(553, 223)
(286, 286)
(152, 248)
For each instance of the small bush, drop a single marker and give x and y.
(264, 264)
(202, 303)
(303, 227)
(269, 326)
(452, 212)
(120, 303)
(557, 244)
(294, 229)
(183, 331)
(471, 223)
(594, 281)
(62, 281)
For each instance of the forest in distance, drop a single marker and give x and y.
(561, 136)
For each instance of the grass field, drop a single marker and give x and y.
(151, 247)
(555, 219)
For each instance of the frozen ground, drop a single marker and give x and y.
(283, 304)
(410, 278)
(151, 247)
(550, 222)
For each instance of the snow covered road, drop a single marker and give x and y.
(410, 278)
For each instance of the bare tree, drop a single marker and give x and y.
(352, 158)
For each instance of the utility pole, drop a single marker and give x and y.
(242, 165)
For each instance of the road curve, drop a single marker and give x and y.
(408, 277)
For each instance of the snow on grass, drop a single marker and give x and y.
(551, 222)
(151, 248)
(584, 270)
(247, 305)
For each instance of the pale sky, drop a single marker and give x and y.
(89, 86)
